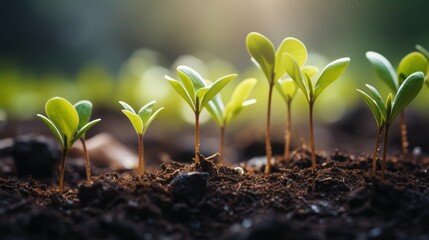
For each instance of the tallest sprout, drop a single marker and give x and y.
(269, 61)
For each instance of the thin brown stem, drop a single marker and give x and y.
(221, 144)
(404, 139)
(313, 148)
(63, 165)
(267, 132)
(383, 166)
(197, 137)
(288, 131)
(376, 149)
(141, 155)
(86, 157)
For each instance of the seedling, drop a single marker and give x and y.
(84, 111)
(303, 78)
(386, 112)
(140, 121)
(269, 61)
(287, 89)
(198, 94)
(223, 115)
(411, 63)
(64, 122)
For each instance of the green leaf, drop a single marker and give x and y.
(85, 128)
(288, 88)
(379, 100)
(329, 74)
(64, 116)
(187, 74)
(53, 129)
(292, 68)
(374, 108)
(413, 62)
(238, 99)
(146, 111)
(262, 51)
(389, 108)
(180, 89)
(384, 69)
(295, 48)
(310, 86)
(199, 97)
(135, 121)
(216, 87)
(150, 120)
(126, 106)
(310, 70)
(409, 89)
(423, 51)
(215, 111)
(84, 110)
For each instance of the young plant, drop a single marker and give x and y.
(64, 122)
(287, 89)
(198, 94)
(411, 63)
(303, 78)
(140, 121)
(269, 61)
(84, 111)
(386, 112)
(223, 115)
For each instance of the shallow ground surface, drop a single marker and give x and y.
(339, 201)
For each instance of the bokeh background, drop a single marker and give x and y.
(108, 50)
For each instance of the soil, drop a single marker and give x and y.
(206, 201)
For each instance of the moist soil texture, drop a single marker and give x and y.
(341, 200)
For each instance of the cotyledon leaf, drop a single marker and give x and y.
(262, 51)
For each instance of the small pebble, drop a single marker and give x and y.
(239, 170)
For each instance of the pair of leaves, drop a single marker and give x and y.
(141, 120)
(67, 122)
(303, 76)
(386, 112)
(224, 115)
(411, 63)
(196, 92)
(265, 57)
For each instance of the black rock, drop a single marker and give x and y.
(37, 156)
(190, 187)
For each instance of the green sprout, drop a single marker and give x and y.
(411, 63)
(198, 94)
(64, 121)
(84, 111)
(269, 61)
(303, 78)
(140, 121)
(223, 114)
(386, 112)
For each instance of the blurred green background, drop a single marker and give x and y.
(108, 50)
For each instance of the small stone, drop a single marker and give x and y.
(190, 187)
(239, 170)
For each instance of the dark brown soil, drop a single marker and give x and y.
(340, 201)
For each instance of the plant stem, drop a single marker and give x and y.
(267, 132)
(404, 140)
(313, 149)
(63, 161)
(197, 137)
(288, 131)
(383, 166)
(222, 143)
(375, 156)
(141, 155)
(86, 157)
